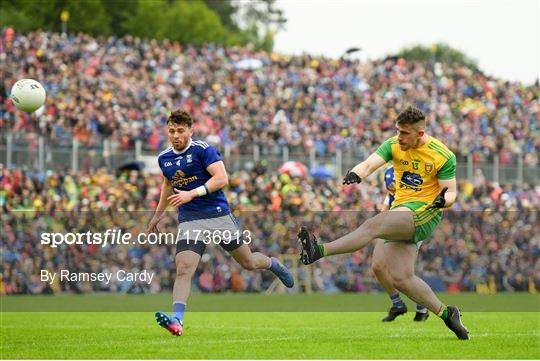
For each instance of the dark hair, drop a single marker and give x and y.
(411, 115)
(180, 116)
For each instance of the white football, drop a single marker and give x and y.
(28, 95)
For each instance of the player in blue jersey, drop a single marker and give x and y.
(379, 265)
(193, 178)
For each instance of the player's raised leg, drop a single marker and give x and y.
(380, 270)
(393, 225)
(402, 257)
(256, 260)
(186, 264)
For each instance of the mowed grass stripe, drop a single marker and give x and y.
(267, 335)
(243, 302)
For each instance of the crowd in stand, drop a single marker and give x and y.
(122, 89)
(489, 239)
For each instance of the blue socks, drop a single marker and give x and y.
(178, 311)
(273, 265)
(396, 300)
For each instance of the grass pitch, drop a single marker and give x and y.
(265, 335)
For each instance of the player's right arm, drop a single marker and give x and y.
(364, 169)
(371, 164)
(166, 191)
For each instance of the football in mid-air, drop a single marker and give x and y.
(27, 95)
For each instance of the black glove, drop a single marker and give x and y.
(439, 202)
(351, 178)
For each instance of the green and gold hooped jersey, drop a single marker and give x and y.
(418, 170)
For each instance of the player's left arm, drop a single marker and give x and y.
(219, 177)
(450, 195)
(217, 181)
(447, 183)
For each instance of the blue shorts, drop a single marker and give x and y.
(195, 235)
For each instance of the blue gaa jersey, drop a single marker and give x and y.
(390, 181)
(186, 170)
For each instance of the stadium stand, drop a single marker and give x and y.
(122, 89)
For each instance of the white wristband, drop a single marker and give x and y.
(201, 191)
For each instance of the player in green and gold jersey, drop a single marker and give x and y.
(425, 172)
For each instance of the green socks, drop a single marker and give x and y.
(443, 312)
